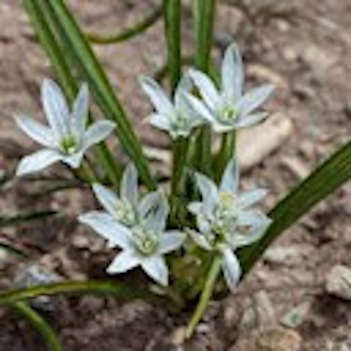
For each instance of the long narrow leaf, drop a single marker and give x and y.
(39, 323)
(101, 86)
(24, 217)
(43, 27)
(323, 181)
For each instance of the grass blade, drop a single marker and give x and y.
(101, 86)
(39, 323)
(24, 217)
(323, 181)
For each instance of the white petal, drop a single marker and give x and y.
(106, 225)
(97, 132)
(157, 96)
(38, 132)
(230, 177)
(199, 239)
(129, 184)
(37, 161)
(195, 207)
(74, 160)
(206, 87)
(231, 268)
(185, 107)
(253, 99)
(249, 198)
(209, 192)
(55, 106)
(198, 107)
(185, 85)
(123, 262)
(156, 220)
(219, 127)
(170, 241)
(80, 110)
(250, 120)
(156, 268)
(107, 198)
(148, 203)
(232, 73)
(160, 121)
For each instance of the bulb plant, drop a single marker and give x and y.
(202, 230)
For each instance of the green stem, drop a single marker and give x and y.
(205, 296)
(180, 151)
(112, 38)
(204, 11)
(39, 323)
(225, 153)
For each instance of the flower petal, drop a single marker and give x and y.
(230, 177)
(170, 241)
(156, 220)
(55, 106)
(250, 120)
(185, 85)
(253, 99)
(148, 203)
(199, 108)
(38, 132)
(199, 239)
(156, 268)
(37, 161)
(74, 160)
(107, 198)
(209, 192)
(80, 110)
(157, 96)
(160, 121)
(123, 262)
(249, 198)
(231, 268)
(206, 87)
(129, 184)
(97, 132)
(232, 74)
(195, 207)
(105, 225)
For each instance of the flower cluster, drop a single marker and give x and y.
(224, 219)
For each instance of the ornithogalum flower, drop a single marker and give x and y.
(128, 207)
(228, 108)
(67, 138)
(177, 118)
(143, 244)
(226, 220)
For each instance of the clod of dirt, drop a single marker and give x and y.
(338, 282)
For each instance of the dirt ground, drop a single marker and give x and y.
(305, 49)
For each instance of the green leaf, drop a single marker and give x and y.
(39, 323)
(100, 85)
(107, 287)
(13, 250)
(330, 175)
(24, 217)
(53, 45)
(138, 28)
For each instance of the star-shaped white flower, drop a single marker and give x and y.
(144, 244)
(67, 138)
(225, 219)
(128, 207)
(227, 108)
(177, 118)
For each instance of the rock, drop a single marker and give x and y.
(81, 241)
(296, 166)
(296, 316)
(289, 256)
(264, 309)
(266, 74)
(178, 336)
(338, 282)
(274, 339)
(258, 142)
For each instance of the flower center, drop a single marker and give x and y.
(229, 114)
(125, 213)
(146, 241)
(179, 122)
(69, 144)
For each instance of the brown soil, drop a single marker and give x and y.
(306, 52)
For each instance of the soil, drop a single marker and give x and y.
(304, 48)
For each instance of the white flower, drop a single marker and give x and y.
(178, 118)
(67, 138)
(225, 219)
(144, 244)
(128, 207)
(227, 108)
